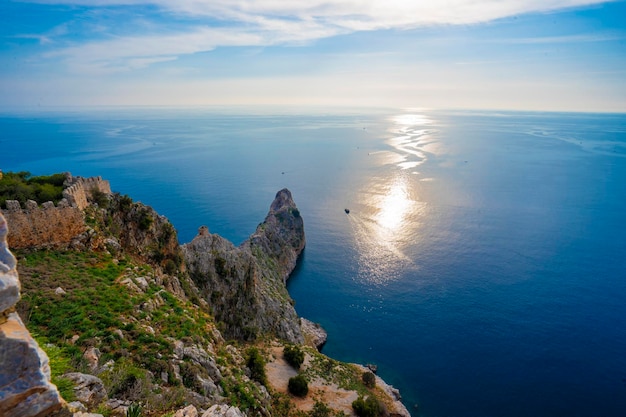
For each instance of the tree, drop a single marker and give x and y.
(298, 386)
(369, 379)
(293, 355)
(367, 408)
(256, 364)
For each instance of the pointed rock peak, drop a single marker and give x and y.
(283, 199)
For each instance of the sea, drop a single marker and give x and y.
(478, 258)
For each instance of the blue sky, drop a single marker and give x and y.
(565, 55)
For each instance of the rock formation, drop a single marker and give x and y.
(245, 285)
(25, 387)
(314, 334)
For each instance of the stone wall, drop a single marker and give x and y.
(25, 387)
(48, 225)
(78, 189)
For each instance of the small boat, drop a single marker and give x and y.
(347, 211)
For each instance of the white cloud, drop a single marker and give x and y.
(276, 22)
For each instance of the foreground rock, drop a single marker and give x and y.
(25, 387)
(314, 334)
(245, 285)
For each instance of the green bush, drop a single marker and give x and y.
(134, 410)
(100, 198)
(256, 364)
(293, 355)
(298, 386)
(145, 220)
(22, 187)
(369, 379)
(320, 410)
(370, 407)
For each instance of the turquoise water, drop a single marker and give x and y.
(481, 265)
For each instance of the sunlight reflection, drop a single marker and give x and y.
(387, 224)
(393, 207)
(411, 119)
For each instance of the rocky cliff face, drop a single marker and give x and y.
(245, 285)
(25, 388)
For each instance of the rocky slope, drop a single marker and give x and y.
(25, 387)
(129, 317)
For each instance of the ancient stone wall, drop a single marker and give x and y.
(48, 225)
(78, 189)
(25, 387)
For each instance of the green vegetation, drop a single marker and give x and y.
(298, 385)
(100, 198)
(134, 410)
(293, 355)
(256, 364)
(59, 365)
(320, 410)
(97, 310)
(370, 407)
(346, 376)
(369, 379)
(21, 186)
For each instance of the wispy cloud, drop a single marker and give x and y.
(272, 22)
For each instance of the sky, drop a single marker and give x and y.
(559, 55)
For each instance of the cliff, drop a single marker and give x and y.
(131, 317)
(245, 285)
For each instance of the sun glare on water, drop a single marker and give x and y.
(393, 207)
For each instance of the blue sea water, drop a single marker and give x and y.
(481, 266)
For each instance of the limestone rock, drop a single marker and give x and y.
(119, 408)
(88, 389)
(92, 356)
(223, 411)
(200, 356)
(9, 282)
(189, 411)
(245, 285)
(25, 391)
(314, 334)
(77, 406)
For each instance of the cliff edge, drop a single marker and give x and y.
(245, 285)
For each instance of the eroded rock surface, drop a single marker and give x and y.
(245, 285)
(25, 387)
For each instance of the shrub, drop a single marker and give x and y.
(367, 408)
(320, 410)
(134, 410)
(369, 379)
(21, 186)
(293, 355)
(145, 220)
(298, 386)
(100, 198)
(256, 364)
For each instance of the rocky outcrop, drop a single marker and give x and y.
(25, 387)
(314, 334)
(397, 409)
(245, 285)
(88, 389)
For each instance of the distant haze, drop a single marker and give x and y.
(565, 55)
